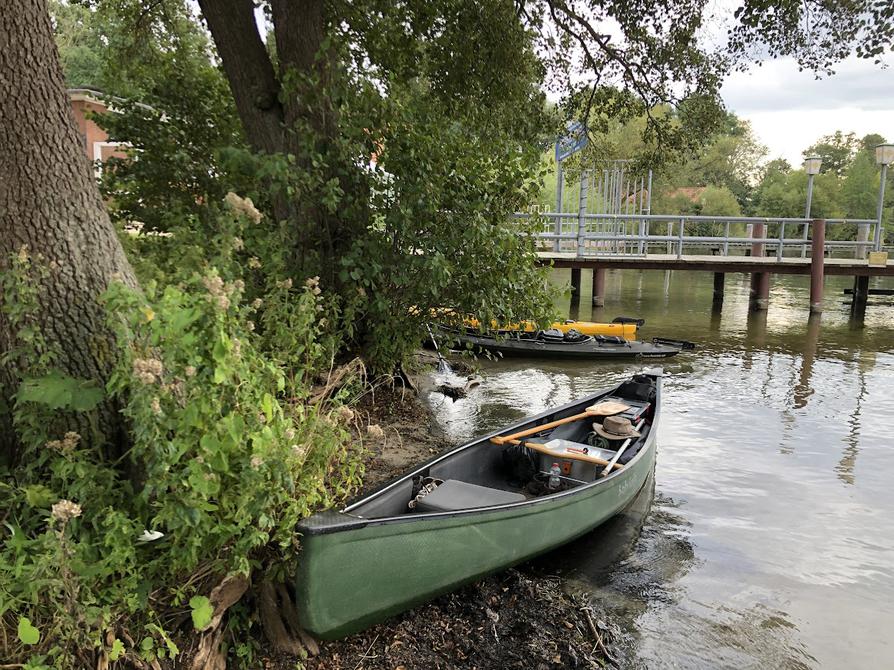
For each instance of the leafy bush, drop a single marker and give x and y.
(226, 454)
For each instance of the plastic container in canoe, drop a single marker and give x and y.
(622, 326)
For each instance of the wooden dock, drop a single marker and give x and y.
(747, 264)
(759, 267)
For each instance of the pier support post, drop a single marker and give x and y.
(760, 290)
(760, 281)
(719, 279)
(862, 236)
(817, 265)
(861, 290)
(861, 295)
(575, 282)
(598, 287)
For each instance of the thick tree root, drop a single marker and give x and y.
(290, 616)
(280, 621)
(210, 652)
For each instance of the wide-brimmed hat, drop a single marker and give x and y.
(616, 428)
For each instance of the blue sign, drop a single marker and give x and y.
(573, 141)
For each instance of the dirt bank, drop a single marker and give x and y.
(410, 434)
(510, 620)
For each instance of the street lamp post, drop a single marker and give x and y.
(812, 166)
(560, 182)
(884, 155)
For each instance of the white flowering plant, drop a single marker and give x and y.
(226, 453)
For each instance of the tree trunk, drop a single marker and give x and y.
(249, 71)
(268, 112)
(49, 202)
(299, 28)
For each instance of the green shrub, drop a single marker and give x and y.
(226, 455)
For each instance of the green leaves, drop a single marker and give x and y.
(59, 391)
(27, 633)
(202, 612)
(117, 650)
(39, 496)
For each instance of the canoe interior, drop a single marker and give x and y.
(483, 463)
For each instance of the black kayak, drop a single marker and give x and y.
(536, 345)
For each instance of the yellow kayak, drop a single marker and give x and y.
(626, 330)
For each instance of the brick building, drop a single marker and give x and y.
(97, 147)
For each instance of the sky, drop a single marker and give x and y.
(789, 110)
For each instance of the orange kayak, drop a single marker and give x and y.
(626, 330)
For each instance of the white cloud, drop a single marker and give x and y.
(790, 110)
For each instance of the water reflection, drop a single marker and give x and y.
(770, 536)
(802, 389)
(845, 467)
(611, 544)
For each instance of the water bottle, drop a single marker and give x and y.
(554, 479)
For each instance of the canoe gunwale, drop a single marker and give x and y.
(344, 520)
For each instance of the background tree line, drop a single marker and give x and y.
(730, 175)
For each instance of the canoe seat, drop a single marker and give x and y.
(454, 495)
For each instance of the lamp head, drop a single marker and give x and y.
(884, 154)
(812, 164)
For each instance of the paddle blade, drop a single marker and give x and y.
(607, 408)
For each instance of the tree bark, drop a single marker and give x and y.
(299, 29)
(268, 112)
(49, 202)
(249, 71)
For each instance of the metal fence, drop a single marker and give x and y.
(587, 234)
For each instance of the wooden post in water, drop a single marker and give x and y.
(760, 281)
(817, 265)
(719, 279)
(861, 294)
(861, 290)
(598, 287)
(575, 283)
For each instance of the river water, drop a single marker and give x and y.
(767, 537)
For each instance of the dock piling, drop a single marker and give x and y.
(861, 290)
(817, 265)
(719, 279)
(575, 282)
(598, 287)
(760, 281)
(861, 296)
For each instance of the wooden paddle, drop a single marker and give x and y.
(614, 461)
(569, 456)
(600, 409)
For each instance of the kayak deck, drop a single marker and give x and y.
(592, 347)
(620, 327)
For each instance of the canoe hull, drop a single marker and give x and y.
(350, 579)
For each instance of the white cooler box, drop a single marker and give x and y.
(580, 470)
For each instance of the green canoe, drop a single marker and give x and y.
(491, 506)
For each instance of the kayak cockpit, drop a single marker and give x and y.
(548, 455)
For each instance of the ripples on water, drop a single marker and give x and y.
(768, 541)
